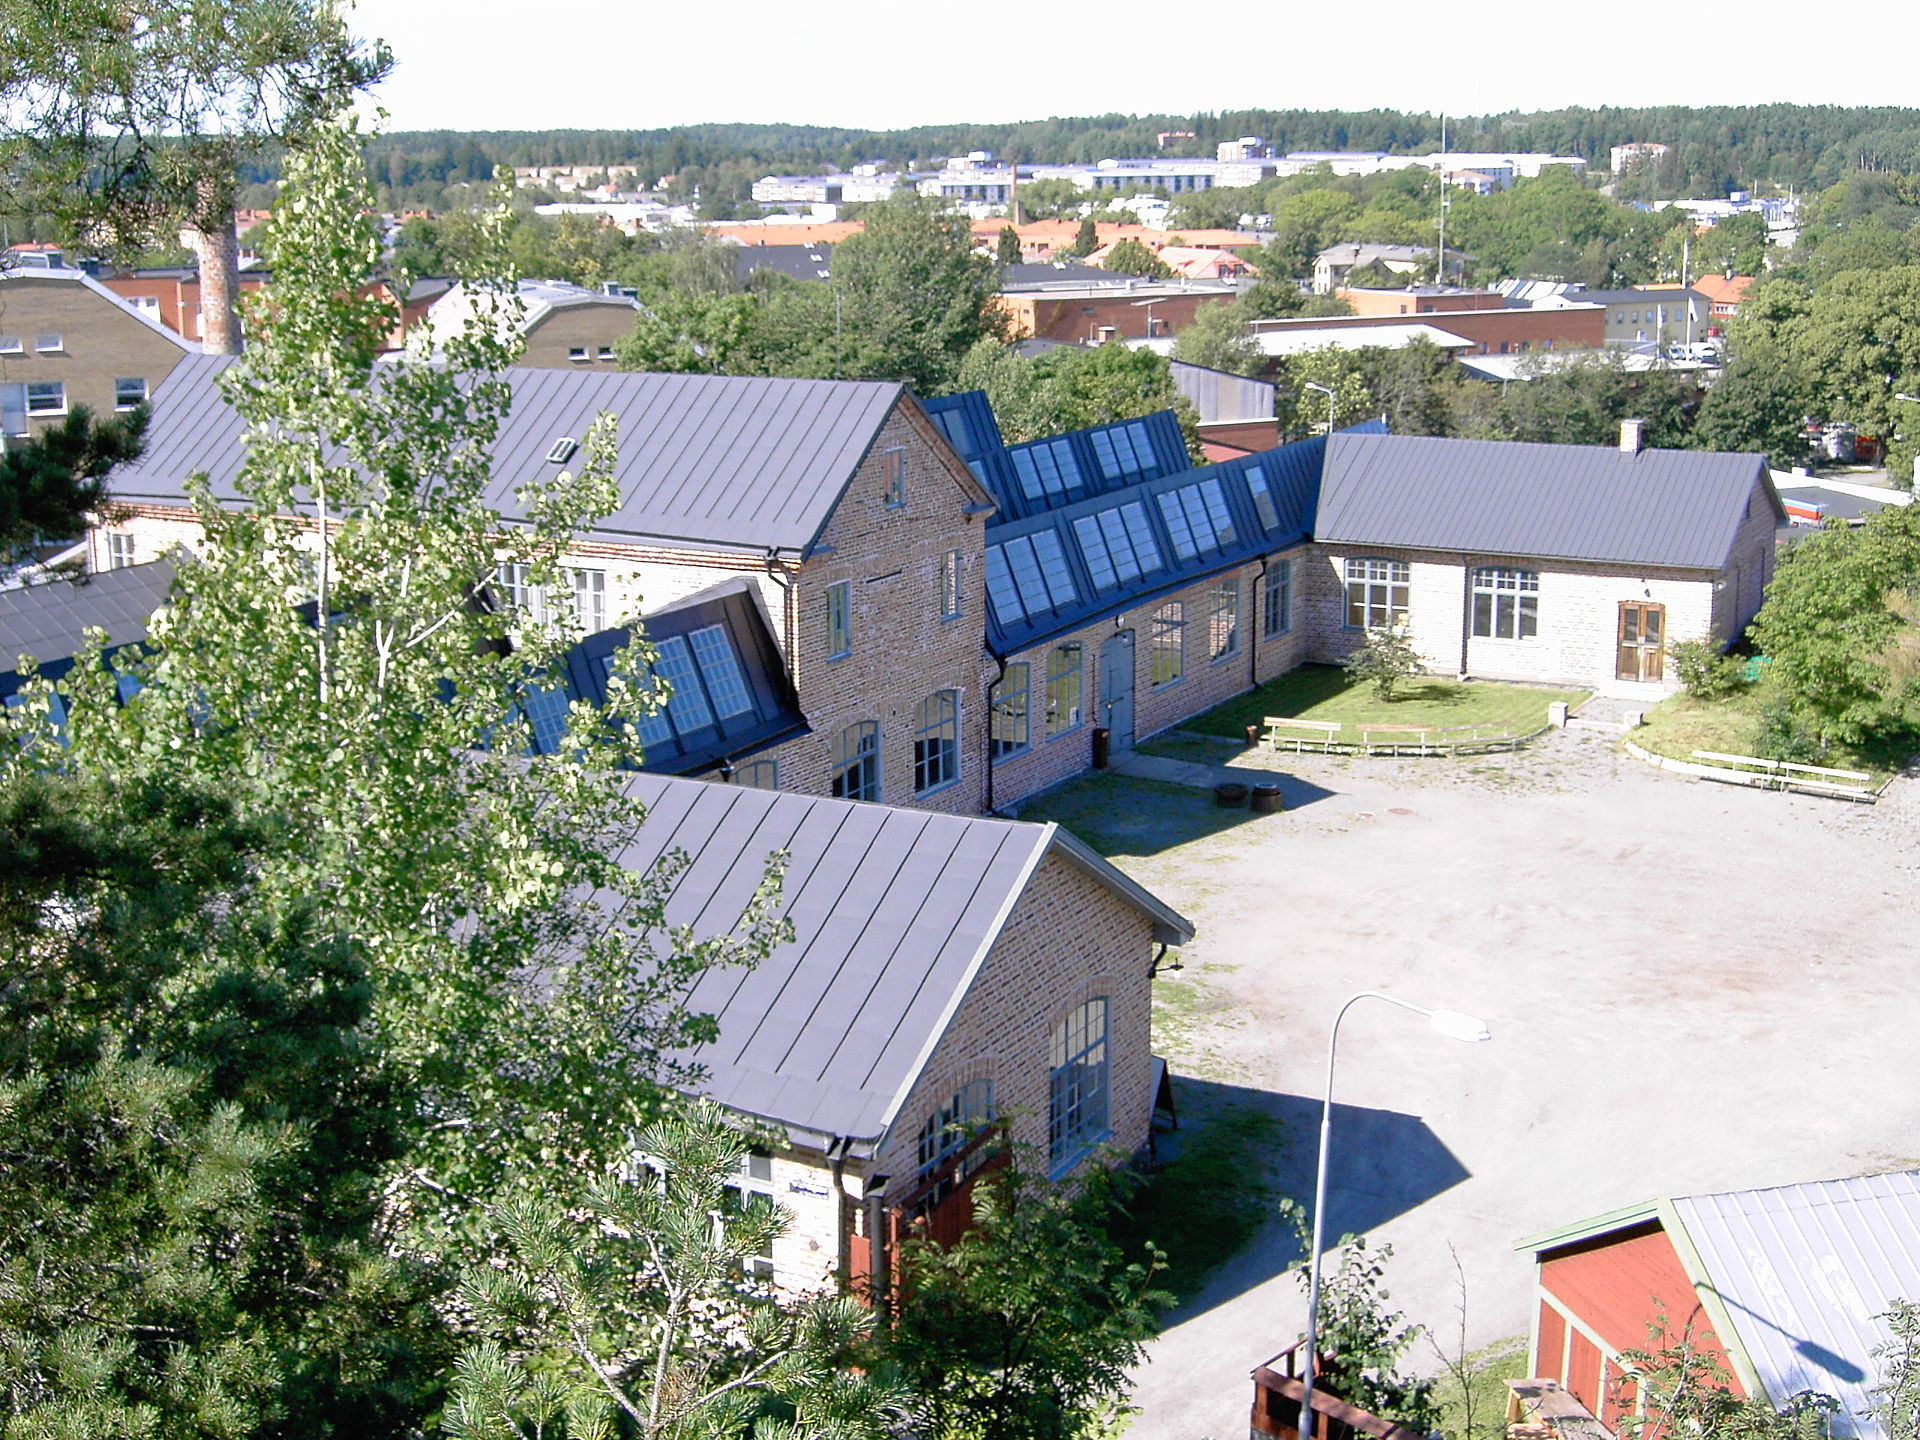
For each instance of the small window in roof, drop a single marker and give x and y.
(563, 450)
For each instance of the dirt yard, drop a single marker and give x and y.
(1691, 987)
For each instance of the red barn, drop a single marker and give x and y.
(1787, 1288)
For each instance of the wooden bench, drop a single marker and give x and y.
(1300, 735)
(1399, 739)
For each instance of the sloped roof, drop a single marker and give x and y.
(1669, 509)
(893, 913)
(38, 275)
(712, 460)
(1795, 1278)
(1805, 1274)
(49, 621)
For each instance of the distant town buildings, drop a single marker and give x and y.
(1624, 159)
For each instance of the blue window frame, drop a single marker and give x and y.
(1077, 1087)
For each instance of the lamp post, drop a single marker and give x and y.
(1326, 390)
(1452, 1024)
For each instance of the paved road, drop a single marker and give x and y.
(1692, 987)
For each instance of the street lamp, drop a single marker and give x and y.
(1326, 390)
(1452, 1024)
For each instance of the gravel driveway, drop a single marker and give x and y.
(1692, 987)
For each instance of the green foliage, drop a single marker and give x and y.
(1305, 412)
(1682, 1389)
(1006, 250)
(1386, 660)
(1360, 1342)
(1086, 239)
(917, 294)
(635, 1311)
(1758, 406)
(1584, 401)
(1827, 626)
(1026, 1327)
(1218, 338)
(1705, 672)
(1130, 257)
(1073, 387)
(194, 1128)
(51, 483)
(1899, 1363)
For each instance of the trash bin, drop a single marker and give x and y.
(1102, 743)
(1266, 800)
(1228, 794)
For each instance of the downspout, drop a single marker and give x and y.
(790, 621)
(837, 1163)
(1001, 661)
(1257, 613)
(1466, 616)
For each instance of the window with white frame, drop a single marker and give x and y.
(1506, 603)
(1223, 624)
(1167, 659)
(120, 551)
(1063, 689)
(893, 477)
(1276, 602)
(1077, 1085)
(10, 345)
(856, 762)
(839, 619)
(953, 1124)
(1376, 593)
(1010, 725)
(49, 344)
(590, 600)
(936, 741)
(604, 353)
(950, 585)
(129, 391)
(46, 397)
(751, 1192)
(577, 354)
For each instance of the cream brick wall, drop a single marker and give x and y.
(808, 1256)
(1579, 610)
(1069, 939)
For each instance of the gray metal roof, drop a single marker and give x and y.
(1805, 1273)
(704, 459)
(48, 621)
(1666, 509)
(893, 912)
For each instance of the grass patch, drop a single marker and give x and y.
(1486, 1373)
(1203, 1206)
(1121, 817)
(1323, 692)
(1678, 726)
(1199, 749)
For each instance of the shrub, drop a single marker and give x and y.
(1385, 659)
(1783, 734)
(1705, 672)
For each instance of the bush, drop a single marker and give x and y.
(1386, 659)
(1784, 735)
(1705, 672)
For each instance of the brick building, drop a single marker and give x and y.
(1787, 1289)
(1513, 330)
(944, 973)
(564, 325)
(831, 534)
(171, 295)
(67, 340)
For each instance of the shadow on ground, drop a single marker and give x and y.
(1119, 815)
(1384, 1163)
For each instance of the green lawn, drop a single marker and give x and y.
(1679, 726)
(1323, 692)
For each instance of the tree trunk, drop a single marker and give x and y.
(218, 246)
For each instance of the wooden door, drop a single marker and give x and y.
(1642, 650)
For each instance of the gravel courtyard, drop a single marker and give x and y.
(1691, 987)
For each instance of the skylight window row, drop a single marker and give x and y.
(1048, 471)
(707, 682)
(1125, 452)
(1027, 577)
(1197, 518)
(1117, 545)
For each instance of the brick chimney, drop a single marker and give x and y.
(1630, 436)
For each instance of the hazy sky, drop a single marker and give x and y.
(489, 64)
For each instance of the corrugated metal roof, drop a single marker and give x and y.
(714, 460)
(1805, 1273)
(1677, 509)
(893, 911)
(48, 621)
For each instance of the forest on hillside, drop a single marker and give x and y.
(1715, 149)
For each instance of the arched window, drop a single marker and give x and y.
(936, 741)
(856, 762)
(1506, 603)
(1077, 1088)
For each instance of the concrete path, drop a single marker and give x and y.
(1692, 988)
